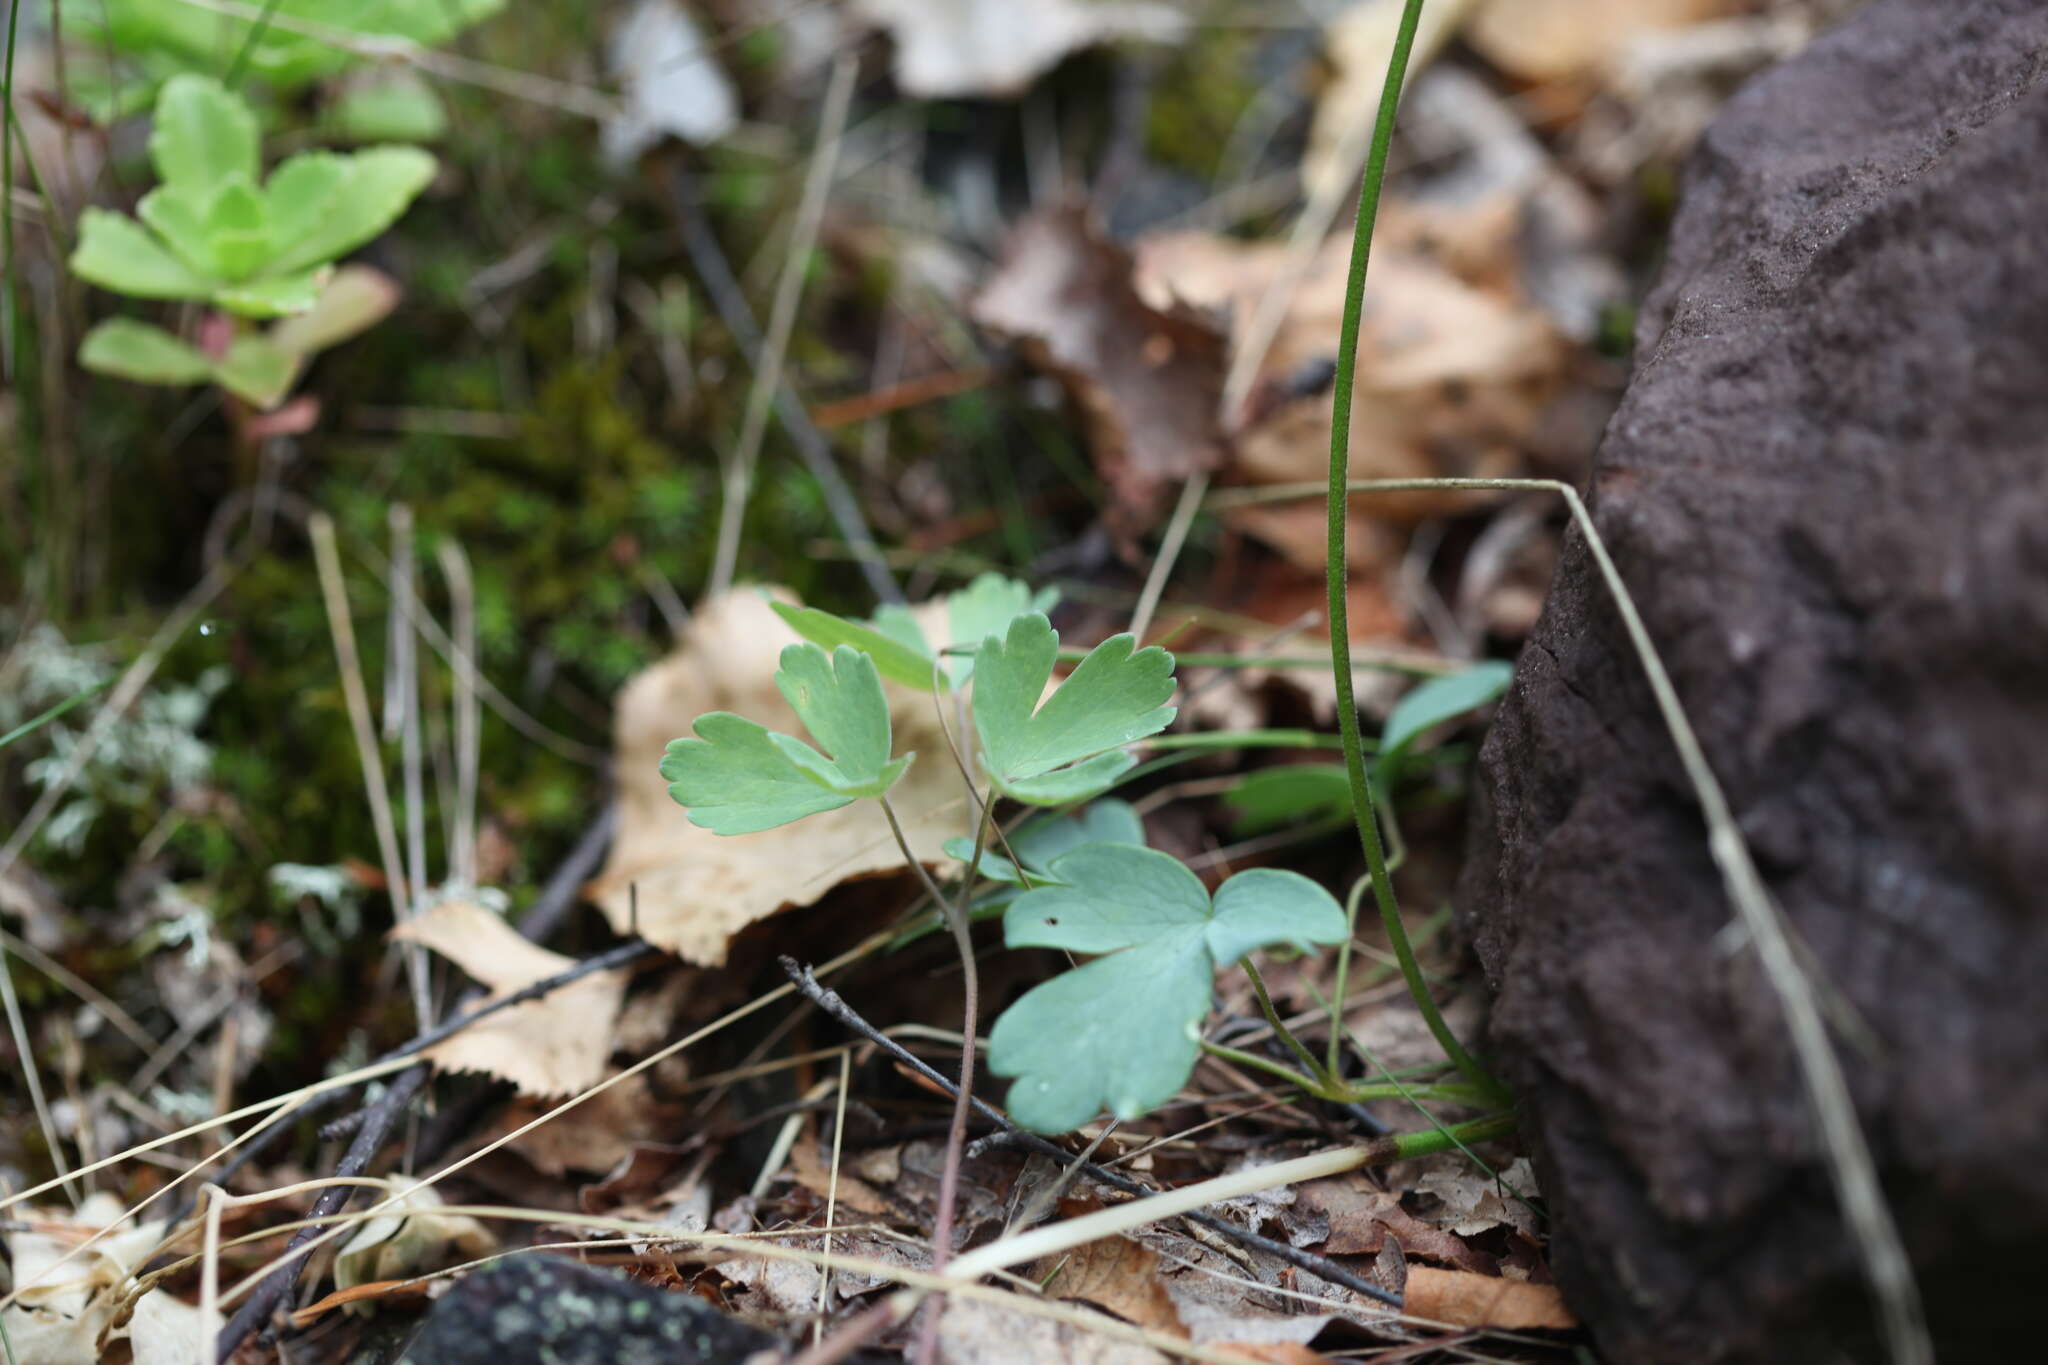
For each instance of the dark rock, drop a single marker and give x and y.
(1827, 487)
(531, 1310)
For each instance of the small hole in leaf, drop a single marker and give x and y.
(1051, 919)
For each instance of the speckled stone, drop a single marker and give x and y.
(541, 1310)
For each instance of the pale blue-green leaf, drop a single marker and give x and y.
(201, 134)
(1063, 786)
(986, 607)
(257, 370)
(116, 252)
(1439, 700)
(128, 349)
(831, 776)
(301, 192)
(899, 623)
(237, 230)
(734, 779)
(1040, 840)
(378, 185)
(1111, 896)
(993, 866)
(179, 218)
(273, 296)
(1121, 1033)
(839, 699)
(1114, 697)
(1292, 793)
(896, 660)
(1269, 905)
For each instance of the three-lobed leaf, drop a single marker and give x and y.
(897, 643)
(1068, 749)
(1123, 1032)
(739, 777)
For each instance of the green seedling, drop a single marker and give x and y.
(740, 777)
(897, 643)
(1070, 748)
(1432, 703)
(1123, 1032)
(211, 233)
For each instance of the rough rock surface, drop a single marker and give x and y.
(1827, 486)
(534, 1310)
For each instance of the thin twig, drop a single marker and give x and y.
(369, 1139)
(739, 474)
(708, 259)
(327, 560)
(830, 1001)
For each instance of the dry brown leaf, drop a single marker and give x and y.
(1560, 40)
(1359, 40)
(1360, 1219)
(976, 1332)
(556, 1045)
(1452, 379)
(593, 1137)
(1470, 1201)
(1148, 377)
(951, 48)
(812, 1167)
(1116, 1274)
(698, 890)
(1463, 1299)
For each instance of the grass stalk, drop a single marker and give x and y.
(1337, 570)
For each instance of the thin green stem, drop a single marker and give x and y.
(37, 722)
(1324, 1079)
(1331, 1064)
(1336, 573)
(1265, 1064)
(10, 332)
(1444, 1138)
(233, 74)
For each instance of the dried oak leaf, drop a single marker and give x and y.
(1453, 378)
(1118, 1274)
(1463, 1299)
(556, 1045)
(951, 48)
(697, 890)
(1148, 377)
(1564, 40)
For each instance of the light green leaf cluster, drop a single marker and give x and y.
(1123, 1032)
(211, 232)
(739, 777)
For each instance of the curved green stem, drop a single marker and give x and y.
(1324, 1079)
(1336, 572)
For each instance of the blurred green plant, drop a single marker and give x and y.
(211, 233)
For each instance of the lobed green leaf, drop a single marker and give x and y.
(1067, 749)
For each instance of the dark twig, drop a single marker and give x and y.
(707, 258)
(565, 887)
(369, 1139)
(829, 1001)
